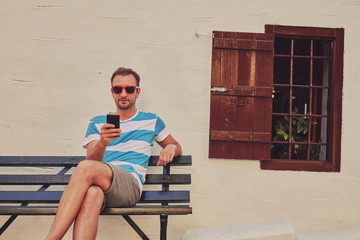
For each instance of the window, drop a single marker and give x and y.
(277, 97)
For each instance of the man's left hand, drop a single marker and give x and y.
(167, 154)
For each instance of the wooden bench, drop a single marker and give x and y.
(162, 202)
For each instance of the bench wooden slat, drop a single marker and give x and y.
(29, 179)
(169, 179)
(184, 160)
(136, 210)
(54, 196)
(56, 161)
(40, 161)
(149, 210)
(165, 196)
(30, 196)
(39, 179)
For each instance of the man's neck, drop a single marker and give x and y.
(126, 114)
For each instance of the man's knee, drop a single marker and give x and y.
(93, 201)
(84, 172)
(93, 173)
(86, 167)
(95, 194)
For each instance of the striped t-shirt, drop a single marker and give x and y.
(132, 149)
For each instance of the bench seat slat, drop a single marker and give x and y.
(150, 210)
(56, 161)
(54, 196)
(136, 210)
(165, 196)
(18, 179)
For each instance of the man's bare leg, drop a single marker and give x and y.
(87, 173)
(86, 222)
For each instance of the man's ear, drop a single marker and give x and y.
(138, 92)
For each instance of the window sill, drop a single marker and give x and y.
(299, 165)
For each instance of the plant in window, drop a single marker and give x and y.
(299, 130)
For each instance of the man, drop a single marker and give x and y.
(116, 161)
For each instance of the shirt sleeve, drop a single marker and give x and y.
(92, 133)
(161, 131)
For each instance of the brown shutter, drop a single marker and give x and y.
(241, 95)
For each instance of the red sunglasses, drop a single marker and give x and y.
(128, 89)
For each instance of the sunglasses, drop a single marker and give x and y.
(128, 89)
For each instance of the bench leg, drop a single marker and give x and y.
(41, 189)
(163, 226)
(135, 227)
(10, 220)
(7, 224)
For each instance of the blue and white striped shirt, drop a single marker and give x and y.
(132, 149)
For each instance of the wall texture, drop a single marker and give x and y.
(56, 58)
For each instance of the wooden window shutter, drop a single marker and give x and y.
(241, 95)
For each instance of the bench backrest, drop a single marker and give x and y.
(163, 196)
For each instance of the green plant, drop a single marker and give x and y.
(299, 130)
(300, 127)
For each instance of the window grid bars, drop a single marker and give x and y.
(309, 114)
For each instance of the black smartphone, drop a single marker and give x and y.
(113, 119)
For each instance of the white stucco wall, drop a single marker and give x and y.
(56, 58)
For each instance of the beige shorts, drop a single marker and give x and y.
(124, 190)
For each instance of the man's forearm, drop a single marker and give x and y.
(95, 151)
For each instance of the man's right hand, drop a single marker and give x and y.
(108, 133)
(96, 149)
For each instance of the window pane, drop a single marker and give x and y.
(299, 151)
(315, 152)
(280, 128)
(283, 46)
(281, 70)
(300, 100)
(320, 101)
(321, 70)
(299, 129)
(322, 48)
(319, 134)
(319, 130)
(301, 74)
(281, 96)
(302, 47)
(279, 151)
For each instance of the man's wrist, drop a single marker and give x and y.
(101, 144)
(171, 146)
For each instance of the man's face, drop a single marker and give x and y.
(124, 100)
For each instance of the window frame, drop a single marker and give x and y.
(333, 162)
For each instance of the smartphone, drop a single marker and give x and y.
(113, 119)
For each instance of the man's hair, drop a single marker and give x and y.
(124, 72)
